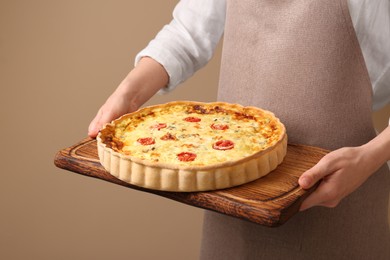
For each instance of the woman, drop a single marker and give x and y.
(302, 60)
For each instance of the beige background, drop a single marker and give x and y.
(59, 61)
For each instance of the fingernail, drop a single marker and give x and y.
(92, 130)
(304, 182)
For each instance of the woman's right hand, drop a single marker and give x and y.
(137, 88)
(115, 106)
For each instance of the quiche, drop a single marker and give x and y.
(192, 146)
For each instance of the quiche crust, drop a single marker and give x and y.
(171, 176)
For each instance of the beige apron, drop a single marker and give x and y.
(301, 60)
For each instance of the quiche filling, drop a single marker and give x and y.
(192, 134)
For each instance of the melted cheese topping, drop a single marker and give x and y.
(162, 134)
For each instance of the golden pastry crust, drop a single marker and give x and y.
(192, 146)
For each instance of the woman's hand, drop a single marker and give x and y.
(116, 105)
(342, 171)
(137, 88)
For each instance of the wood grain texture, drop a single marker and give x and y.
(269, 201)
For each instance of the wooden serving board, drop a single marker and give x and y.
(268, 201)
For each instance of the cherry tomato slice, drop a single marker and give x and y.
(192, 119)
(219, 126)
(159, 126)
(223, 145)
(146, 141)
(186, 156)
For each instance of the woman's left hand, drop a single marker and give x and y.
(342, 171)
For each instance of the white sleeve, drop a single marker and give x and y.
(371, 20)
(188, 42)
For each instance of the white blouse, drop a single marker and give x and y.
(188, 42)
